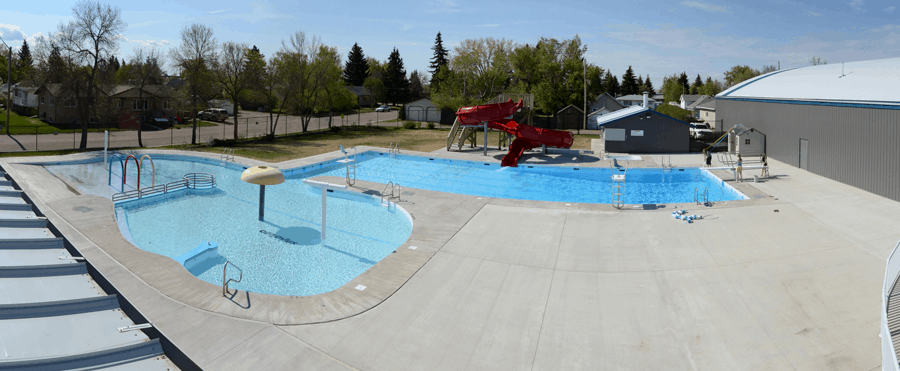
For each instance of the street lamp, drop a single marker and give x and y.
(8, 83)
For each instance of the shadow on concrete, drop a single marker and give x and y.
(237, 300)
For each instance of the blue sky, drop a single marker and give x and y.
(659, 38)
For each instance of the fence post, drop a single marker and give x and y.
(73, 140)
(172, 134)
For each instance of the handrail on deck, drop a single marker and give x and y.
(226, 282)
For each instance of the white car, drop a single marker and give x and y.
(701, 131)
(383, 108)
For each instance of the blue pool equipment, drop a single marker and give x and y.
(109, 179)
(197, 255)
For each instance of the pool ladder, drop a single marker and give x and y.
(350, 164)
(394, 149)
(667, 168)
(227, 155)
(226, 282)
(391, 193)
(705, 195)
(618, 186)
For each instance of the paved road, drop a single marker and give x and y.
(250, 124)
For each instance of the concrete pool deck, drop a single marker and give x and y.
(512, 284)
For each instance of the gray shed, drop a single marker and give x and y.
(637, 129)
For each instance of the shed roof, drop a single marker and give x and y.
(853, 83)
(570, 107)
(628, 112)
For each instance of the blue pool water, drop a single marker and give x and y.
(283, 254)
(543, 183)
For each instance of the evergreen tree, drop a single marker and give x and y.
(683, 80)
(437, 61)
(698, 83)
(649, 86)
(640, 83)
(629, 84)
(114, 63)
(396, 84)
(612, 85)
(23, 65)
(416, 90)
(56, 65)
(356, 69)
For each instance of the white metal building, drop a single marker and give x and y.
(422, 110)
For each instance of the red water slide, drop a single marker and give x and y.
(527, 137)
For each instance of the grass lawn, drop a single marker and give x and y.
(27, 125)
(309, 144)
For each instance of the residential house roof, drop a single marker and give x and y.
(635, 97)
(700, 101)
(610, 102)
(709, 103)
(129, 91)
(53, 89)
(867, 83)
(359, 90)
(690, 99)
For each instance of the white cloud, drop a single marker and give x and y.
(11, 33)
(219, 11)
(710, 7)
(812, 13)
(152, 43)
(890, 9)
(857, 4)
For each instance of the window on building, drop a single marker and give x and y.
(42, 100)
(51, 103)
(166, 105)
(121, 102)
(71, 103)
(747, 141)
(43, 115)
(138, 104)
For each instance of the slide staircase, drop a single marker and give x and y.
(497, 116)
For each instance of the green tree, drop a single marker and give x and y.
(230, 73)
(416, 86)
(194, 56)
(711, 87)
(438, 61)
(145, 70)
(629, 84)
(672, 89)
(738, 74)
(356, 69)
(648, 86)
(612, 84)
(24, 62)
(255, 76)
(89, 38)
(695, 87)
(396, 84)
(683, 80)
(484, 66)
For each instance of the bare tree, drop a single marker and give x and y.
(144, 71)
(817, 60)
(196, 52)
(230, 74)
(88, 40)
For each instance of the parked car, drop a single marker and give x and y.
(384, 108)
(701, 131)
(214, 114)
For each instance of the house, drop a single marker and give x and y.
(834, 120)
(604, 104)
(638, 129)
(689, 99)
(637, 100)
(363, 97)
(224, 104)
(121, 101)
(706, 110)
(25, 99)
(422, 110)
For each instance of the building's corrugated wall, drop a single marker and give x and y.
(661, 135)
(855, 146)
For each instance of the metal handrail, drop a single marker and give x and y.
(153, 183)
(200, 180)
(226, 155)
(226, 282)
(391, 184)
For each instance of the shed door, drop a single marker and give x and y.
(804, 154)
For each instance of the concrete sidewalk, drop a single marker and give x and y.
(789, 279)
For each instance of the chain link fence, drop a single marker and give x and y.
(249, 125)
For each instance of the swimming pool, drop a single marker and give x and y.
(281, 255)
(542, 183)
